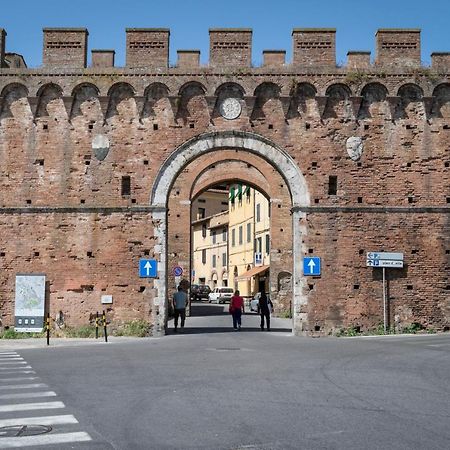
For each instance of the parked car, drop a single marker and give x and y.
(221, 294)
(200, 291)
(254, 303)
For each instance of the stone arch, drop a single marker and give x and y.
(303, 102)
(374, 101)
(121, 101)
(411, 102)
(192, 104)
(338, 105)
(15, 103)
(441, 104)
(50, 102)
(248, 143)
(230, 89)
(86, 103)
(156, 103)
(267, 102)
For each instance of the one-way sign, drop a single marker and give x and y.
(148, 268)
(311, 266)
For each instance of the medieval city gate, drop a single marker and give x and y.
(225, 156)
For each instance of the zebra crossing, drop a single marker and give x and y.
(30, 414)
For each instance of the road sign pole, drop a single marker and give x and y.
(384, 301)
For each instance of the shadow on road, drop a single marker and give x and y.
(210, 330)
(199, 309)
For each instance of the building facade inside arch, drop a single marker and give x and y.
(100, 165)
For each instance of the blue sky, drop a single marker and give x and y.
(356, 22)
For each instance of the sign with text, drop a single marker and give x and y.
(30, 303)
(385, 259)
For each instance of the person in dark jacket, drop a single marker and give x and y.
(264, 309)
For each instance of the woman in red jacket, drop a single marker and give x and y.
(237, 309)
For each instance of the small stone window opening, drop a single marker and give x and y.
(28, 202)
(2, 254)
(316, 327)
(270, 127)
(311, 287)
(409, 287)
(314, 164)
(126, 185)
(191, 125)
(447, 252)
(332, 185)
(447, 164)
(146, 252)
(82, 201)
(45, 126)
(448, 199)
(310, 251)
(408, 164)
(410, 199)
(360, 199)
(89, 255)
(414, 251)
(87, 162)
(36, 254)
(316, 200)
(366, 127)
(91, 126)
(142, 289)
(356, 287)
(361, 251)
(133, 200)
(145, 162)
(307, 126)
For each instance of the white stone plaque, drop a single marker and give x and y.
(355, 147)
(230, 108)
(107, 299)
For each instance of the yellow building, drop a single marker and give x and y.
(210, 250)
(249, 240)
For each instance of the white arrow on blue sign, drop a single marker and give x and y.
(311, 266)
(148, 268)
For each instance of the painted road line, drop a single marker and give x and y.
(44, 439)
(6, 380)
(10, 357)
(27, 395)
(23, 386)
(31, 406)
(15, 368)
(45, 420)
(6, 363)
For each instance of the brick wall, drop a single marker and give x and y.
(230, 47)
(147, 47)
(65, 47)
(314, 46)
(68, 147)
(398, 47)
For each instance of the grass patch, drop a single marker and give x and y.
(11, 333)
(138, 328)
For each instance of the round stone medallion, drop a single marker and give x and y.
(230, 108)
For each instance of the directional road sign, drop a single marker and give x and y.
(384, 263)
(385, 255)
(148, 268)
(311, 265)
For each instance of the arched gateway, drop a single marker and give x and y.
(211, 142)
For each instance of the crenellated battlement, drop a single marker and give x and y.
(232, 47)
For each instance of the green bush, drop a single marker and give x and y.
(138, 328)
(86, 331)
(349, 331)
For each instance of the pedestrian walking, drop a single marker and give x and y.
(179, 300)
(265, 306)
(237, 309)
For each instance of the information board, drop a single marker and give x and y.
(30, 302)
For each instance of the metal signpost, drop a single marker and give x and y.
(385, 260)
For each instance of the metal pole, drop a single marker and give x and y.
(384, 301)
(48, 328)
(96, 325)
(104, 326)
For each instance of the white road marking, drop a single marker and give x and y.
(10, 357)
(45, 420)
(15, 368)
(6, 363)
(18, 379)
(44, 439)
(8, 353)
(23, 386)
(31, 406)
(26, 395)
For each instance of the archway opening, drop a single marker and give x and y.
(230, 247)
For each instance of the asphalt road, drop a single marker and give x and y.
(214, 388)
